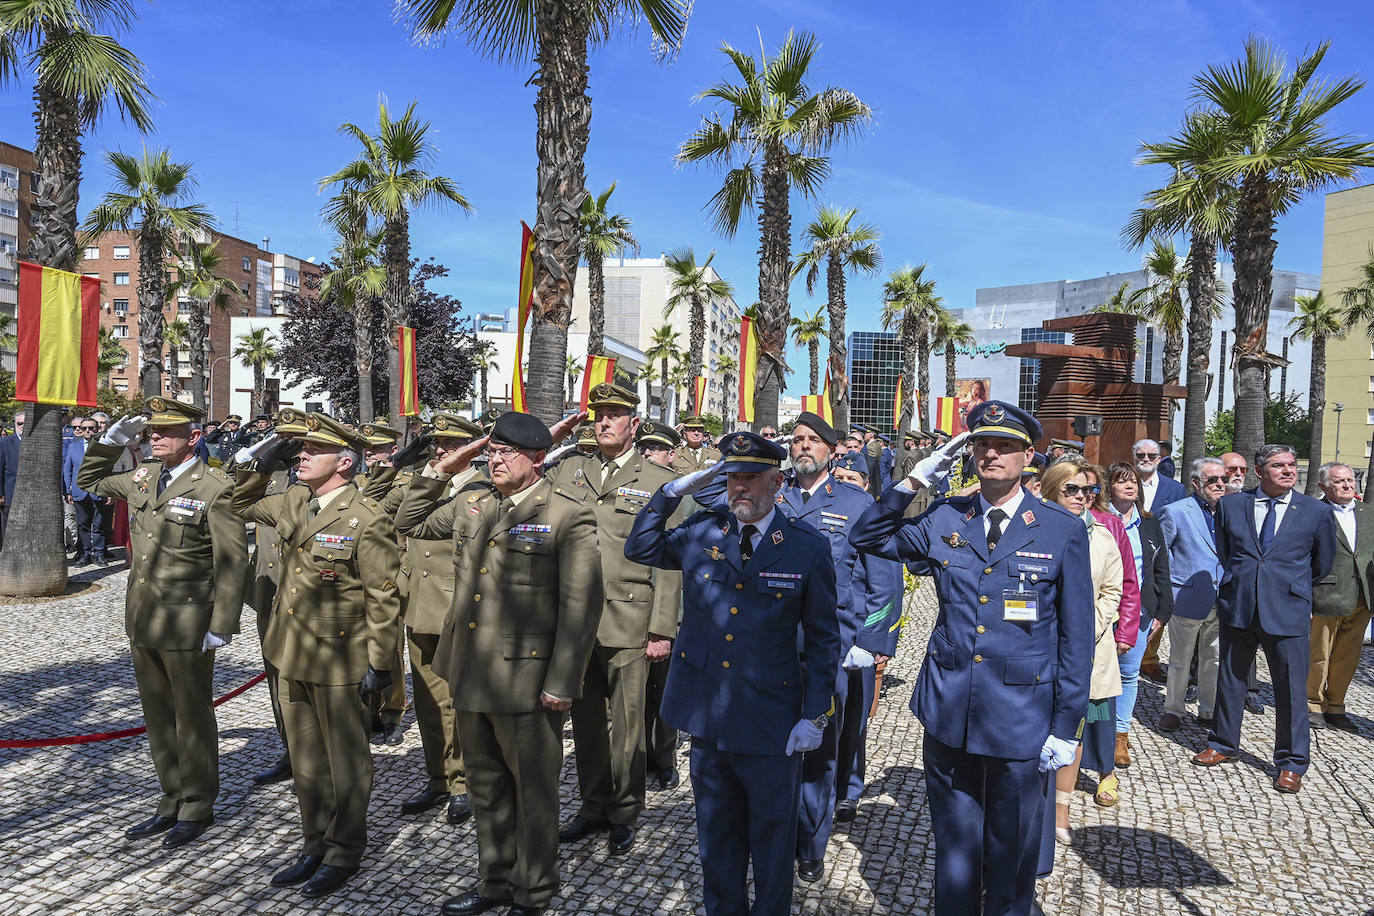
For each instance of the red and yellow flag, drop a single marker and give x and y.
(819, 404)
(948, 417)
(700, 401)
(58, 337)
(599, 370)
(410, 371)
(526, 299)
(897, 405)
(748, 368)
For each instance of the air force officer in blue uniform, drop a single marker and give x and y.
(752, 579)
(1003, 690)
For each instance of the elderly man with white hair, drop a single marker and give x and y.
(1156, 490)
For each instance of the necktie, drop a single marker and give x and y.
(1267, 529)
(995, 519)
(806, 497)
(312, 509)
(606, 468)
(746, 542)
(163, 480)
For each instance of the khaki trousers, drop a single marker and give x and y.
(1336, 645)
(608, 735)
(512, 762)
(264, 618)
(1151, 656)
(434, 717)
(332, 763)
(389, 706)
(174, 686)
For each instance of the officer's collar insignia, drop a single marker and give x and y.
(953, 539)
(779, 498)
(353, 523)
(969, 514)
(828, 490)
(473, 498)
(1028, 517)
(995, 413)
(777, 537)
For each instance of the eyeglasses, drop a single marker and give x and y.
(1208, 481)
(1073, 489)
(500, 454)
(1146, 456)
(87, 429)
(1231, 472)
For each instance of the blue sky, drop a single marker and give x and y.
(1001, 152)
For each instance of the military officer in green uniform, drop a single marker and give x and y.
(262, 591)
(332, 635)
(696, 452)
(188, 568)
(526, 602)
(388, 708)
(586, 439)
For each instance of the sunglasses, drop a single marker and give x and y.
(88, 429)
(1073, 489)
(1145, 456)
(1208, 481)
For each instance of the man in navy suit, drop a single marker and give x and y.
(1273, 545)
(1156, 490)
(90, 508)
(1003, 690)
(759, 590)
(9, 469)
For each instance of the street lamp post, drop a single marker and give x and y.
(1338, 408)
(221, 359)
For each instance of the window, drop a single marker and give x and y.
(244, 288)
(92, 253)
(243, 312)
(34, 179)
(121, 306)
(121, 252)
(247, 263)
(9, 178)
(8, 210)
(121, 384)
(92, 276)
(121, 330)
(1369, 418)
(1371, 383)
(121, 279)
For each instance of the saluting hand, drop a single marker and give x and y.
(685, 486)
(123, 430)
(929, 470)
(564, 427)
(459, 459)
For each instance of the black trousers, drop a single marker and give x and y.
(90, 524)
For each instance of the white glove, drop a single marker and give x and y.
(245, 455)
(214, 641)
(929, 470)
(1057, 752)
(858, 658)
(123, 431)
(805, 737)
(693, 482)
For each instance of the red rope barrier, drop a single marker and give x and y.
(121, 733)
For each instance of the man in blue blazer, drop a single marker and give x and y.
(1273, 545)
(1003, 690)
(90, 509)
(757, 587)
(9, 470)
(1156, 490)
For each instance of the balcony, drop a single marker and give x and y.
(8, 192)
(7, 259)
(9, 294)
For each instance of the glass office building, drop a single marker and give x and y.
(874, 365)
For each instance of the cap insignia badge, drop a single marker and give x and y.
(158, 405)
(995, 413)
(313, 424)
(741, 443)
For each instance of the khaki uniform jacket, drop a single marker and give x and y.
(427, 568)
(337, 610)
(684, 462)
(189, 556)
(1351, 579)
(639, 599)
(527, 593)
(267, 559)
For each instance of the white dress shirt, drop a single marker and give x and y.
(1262, 509)
(181, 468)
(1149, 489)
(761, 525)
(1345, 517)
(1009, 507)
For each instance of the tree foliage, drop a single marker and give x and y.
(1286, 422)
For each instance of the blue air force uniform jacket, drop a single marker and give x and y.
(880, 582)
(736, 678)
(992, 686)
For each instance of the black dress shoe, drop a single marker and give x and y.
(328, 879)
(579, 827)
(394, 734)
(1252, 704)
(186, 831)
(151, 827)
(470, 904)
(845, 810)
(429, 798)
(621, 839)
(298, 871)
(459, 810)
(279, 773)
(1341, 721)
(524, 909)
(668, 779)
(810, 870)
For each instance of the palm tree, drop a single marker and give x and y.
(148, 199)
(663, 347)
(199, 282)
(727, 366)
(1198, 202)
(1282, 150)
(1358, 304)
(1162, 303)
(911, 306)
(389, 181)
(78, 73)
(690, 283)
(604, 234)
(949, 332)
(175, 334)
(769, 135)
(257, 348)
(554, 37)
(1316, 320)
(572, 368)
(842, 248)
(807, 332)
(484, 355)
(110, 355)
(357, 280)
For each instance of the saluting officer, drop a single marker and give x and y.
(332, 635)
(1002, 690)
(262, 592)
(638, 623)
(527, 598)
(387, 707)
(658, 443)
(756, 585)
(697, 451)
(189, 566)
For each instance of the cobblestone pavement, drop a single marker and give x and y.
(1182, 840)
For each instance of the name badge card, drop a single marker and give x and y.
(1019, 606)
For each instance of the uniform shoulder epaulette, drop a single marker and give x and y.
(1054, 505)
(219, 474)
(575, 498)
(803, 527)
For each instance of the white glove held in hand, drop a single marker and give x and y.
(1056, 753)
(215, 641)
(122, 431)
(805, 737)
(685, 486)
(929, 470)
(858, 658)
(245, 455)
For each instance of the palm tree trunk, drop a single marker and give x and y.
(728, 412)
(259, 389)
(1316, 407)
(950, 369)
(814, 345)
(1253, 253)
(486, 391)
(663, 387)
(922, 376)
(596, 312)
(563, 111)
(396, 245)
(362, 356)
(1202, 284)
(697, 330)
(775, 253)
(195, 337)
(908, 373)
(151, 274)
(839, 382)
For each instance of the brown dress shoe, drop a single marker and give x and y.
(1211, 757)
(1123, 749)
(1154, 673)
(1288, 782)
(1169, 722)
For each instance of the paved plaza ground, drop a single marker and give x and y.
(1182, 840)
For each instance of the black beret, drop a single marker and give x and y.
(817, 424)
(521, 430)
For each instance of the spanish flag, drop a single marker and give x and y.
(58, 337)
(748, 368)
(410, 371)
(819, 404)
(526, 299)
(599, 370)
(897, 405)
(701, 394)
(948, 417)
